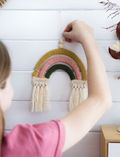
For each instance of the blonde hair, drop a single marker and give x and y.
(5, 70)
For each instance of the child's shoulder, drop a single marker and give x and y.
(34, 140)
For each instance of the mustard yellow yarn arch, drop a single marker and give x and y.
(62, 52)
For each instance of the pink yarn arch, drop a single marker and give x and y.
(60, 59)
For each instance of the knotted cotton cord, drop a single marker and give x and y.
(46, 105)
(33, 95)
(40, 97)
(77, 95)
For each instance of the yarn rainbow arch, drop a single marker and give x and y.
(53, 60)
(76, 66)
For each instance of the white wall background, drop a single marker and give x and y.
(32, 28)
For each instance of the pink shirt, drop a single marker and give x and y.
(38, 140)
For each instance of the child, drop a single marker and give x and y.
(52, 138)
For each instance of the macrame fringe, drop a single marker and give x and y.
(77, 95)
(40, 97)
(46, 105)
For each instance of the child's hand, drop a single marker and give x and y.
(78, 31)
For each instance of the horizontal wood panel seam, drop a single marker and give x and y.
(86, 9)
(54, 40)
(54, 101)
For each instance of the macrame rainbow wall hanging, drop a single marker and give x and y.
(53, 60)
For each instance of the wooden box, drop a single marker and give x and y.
(110, 141)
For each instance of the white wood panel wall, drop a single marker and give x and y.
(29, 29)
(55, 5)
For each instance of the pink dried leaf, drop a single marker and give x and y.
(112, 13)
(115, 15)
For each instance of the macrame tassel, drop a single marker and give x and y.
(81, 93)
(71, 98)
(36, 96)
(41, 89)
(40, 97)
(77, 95)
(76, 98)
(46, 105)
(33, 97)
(71, 107)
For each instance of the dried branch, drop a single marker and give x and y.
(111, 27)
(110, 6)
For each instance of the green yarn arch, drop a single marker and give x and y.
(60, 66)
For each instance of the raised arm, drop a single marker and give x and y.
(80, 120)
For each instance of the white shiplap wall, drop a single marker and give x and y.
(30, 29)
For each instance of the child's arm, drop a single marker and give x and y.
(80, 120)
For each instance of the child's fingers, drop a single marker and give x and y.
(66, 39)
(70, 40)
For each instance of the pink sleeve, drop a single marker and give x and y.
(38, 140)
(53, 134)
